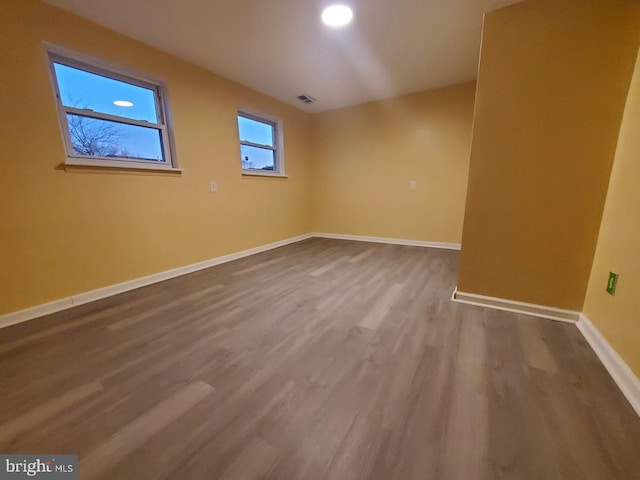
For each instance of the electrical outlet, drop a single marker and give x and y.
(412, 185)
(612, 283)
(213, 186)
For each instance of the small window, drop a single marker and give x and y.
(109, 118)
(260, 144)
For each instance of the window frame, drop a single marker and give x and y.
(278, 143)
(63, 56)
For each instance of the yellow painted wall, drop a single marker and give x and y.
(552, 85)
(366, 156)
(64, 233)
(618, 317)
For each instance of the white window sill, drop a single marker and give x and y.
(75, 163)
(258, 173)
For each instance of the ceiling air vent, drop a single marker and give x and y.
(306, 98)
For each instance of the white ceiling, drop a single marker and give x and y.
(281, 48)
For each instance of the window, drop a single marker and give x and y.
(110, 118)
(260, 144)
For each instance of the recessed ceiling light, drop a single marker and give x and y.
(337, 15)
(123, 103)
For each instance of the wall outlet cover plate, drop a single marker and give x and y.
(612, 283)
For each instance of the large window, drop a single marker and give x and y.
(260, 144)
(110, 118)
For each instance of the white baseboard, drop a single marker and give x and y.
(531, 309)
(35, 312)
(392, 241)
(621, 373)
(85, 297)
(90, 296)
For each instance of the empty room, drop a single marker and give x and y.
(317, 239)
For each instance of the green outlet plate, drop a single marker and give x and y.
(611, 284)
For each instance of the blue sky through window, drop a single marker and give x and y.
(81, 89)
(257, 158)
(256, 132)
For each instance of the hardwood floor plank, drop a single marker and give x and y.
(136, 433)
(163, 308)
(361, 256)
(536, 352)
(258, 266)
(381, 308)
(254, 460)
(328, 267)
(40, 414)
(465, 442)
